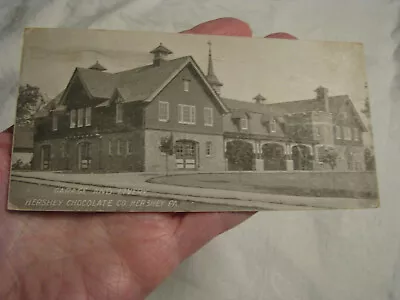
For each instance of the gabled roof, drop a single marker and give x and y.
(298, 106)
(49, 106)
(139, 84)
(239, 113)
(98, 84)
(252, 107)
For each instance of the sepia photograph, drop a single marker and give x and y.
(146, 121)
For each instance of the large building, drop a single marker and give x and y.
(110, 122)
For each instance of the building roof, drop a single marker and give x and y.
(53, 104)
(277, 110)
(23, 137)
(98, 84)
(133, 85)
(252, 107)
(139, 84)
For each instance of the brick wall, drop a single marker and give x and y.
(155, 160)
(102, 159)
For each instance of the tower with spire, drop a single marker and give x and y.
(211, 77)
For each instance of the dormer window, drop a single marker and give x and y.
(244, 123)
(54, 122)
(338, 132)
(317, 131)
(272, 125)
(356, 134)
(88, 116)
(72, 118)
(347, 133)
(119, 113)
(81, 117)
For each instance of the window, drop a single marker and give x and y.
(317, 131)
(338, 132)
(72, 119)
(244, 123)
(186, 84)
(186, 114)
(118, 113)
(163, 111)
(347, 133)
(208, 149)
(273, 125)
(55, 122)
(63, 150)
(110, 152)
(80, 116)
(129, 147)
(88, 116)
(120, 147)
(208, 116)
(356, 134)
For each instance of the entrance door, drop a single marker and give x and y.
(84, 156)
(45, 157)
(274, 157)
(186, 154)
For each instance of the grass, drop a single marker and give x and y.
(313, 184)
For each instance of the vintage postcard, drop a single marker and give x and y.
(144, 121)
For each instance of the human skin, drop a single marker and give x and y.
(100, 256)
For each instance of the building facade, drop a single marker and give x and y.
(114, 122)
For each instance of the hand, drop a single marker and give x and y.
(100, 255)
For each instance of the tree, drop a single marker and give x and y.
(167, 147)
(329, 156)
(240, 154)
(29, 101)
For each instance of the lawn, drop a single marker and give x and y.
(314, 184)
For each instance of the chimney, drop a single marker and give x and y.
(322, 95)
(259, 99)
(160, 54)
